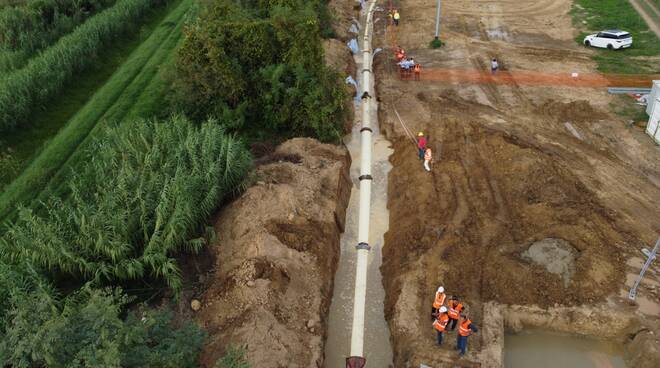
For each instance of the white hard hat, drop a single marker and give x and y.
(441, 289)
(443, 309)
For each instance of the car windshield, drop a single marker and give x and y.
(624, 36)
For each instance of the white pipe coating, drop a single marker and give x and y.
(359, 301)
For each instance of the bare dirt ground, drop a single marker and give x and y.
(276, 253)
(514, 165)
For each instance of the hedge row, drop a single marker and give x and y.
(45, 76)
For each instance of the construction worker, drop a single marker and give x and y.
(440, 323)
(396, 16)
(455, 307)
(465, 329)
(438, 302)
(494, 65)
(418, 70)
(428, 157)
(421, 144)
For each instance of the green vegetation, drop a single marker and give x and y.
(35, 24)
(234, 358)
(125, 186)
(86, 329)
(45, 76)
(608, 14)
(128, 93)
(436, 43)
(258, 66)
(141, 196)
(19, 146)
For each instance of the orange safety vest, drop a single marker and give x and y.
(417, 68)
(439, 300)
(464, 328)
(427, 155)
(454, 309)
(441, 322)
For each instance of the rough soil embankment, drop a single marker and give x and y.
(538, 197)
(276, 253)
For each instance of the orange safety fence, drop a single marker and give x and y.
(534, 78)
(521, 77)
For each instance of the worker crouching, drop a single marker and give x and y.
(440, 323)
(465, 329)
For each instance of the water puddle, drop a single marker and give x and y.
(547, 350)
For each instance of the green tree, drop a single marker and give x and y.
(86, 329)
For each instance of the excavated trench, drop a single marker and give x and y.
(377, 349)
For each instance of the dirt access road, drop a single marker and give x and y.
(515, 164)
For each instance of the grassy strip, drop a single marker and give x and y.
(20, 146)
(36, 24)
(45, 76)
(595, 15)
(648, 8)
(132, 103)
(118, 91)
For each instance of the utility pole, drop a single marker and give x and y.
(437, 20)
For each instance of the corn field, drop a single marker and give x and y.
(143, 195)
(44, 76)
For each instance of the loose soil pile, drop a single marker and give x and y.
(276, 253)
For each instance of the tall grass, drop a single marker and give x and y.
(110, 103)
(143, 194)
(36, 24)
(44, 76)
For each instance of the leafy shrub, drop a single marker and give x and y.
(44, 76)
(86, 329)
(258, 66)
(142, 196)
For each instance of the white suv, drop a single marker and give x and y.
(613, 39)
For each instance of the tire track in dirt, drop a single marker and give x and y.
(648, 18)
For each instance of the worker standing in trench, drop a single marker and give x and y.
(455, 307)
(440, 323)
(438, 302)
(465, 329)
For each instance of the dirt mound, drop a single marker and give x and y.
(343, 14)
(574, 111)
(339, 57)
(276, 253)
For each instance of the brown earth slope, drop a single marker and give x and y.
(276, 253)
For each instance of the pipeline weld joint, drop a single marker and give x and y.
(365, 177)
(363, 245)
(366, 129)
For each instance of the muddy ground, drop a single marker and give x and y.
(514, 165)
(276, 253)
